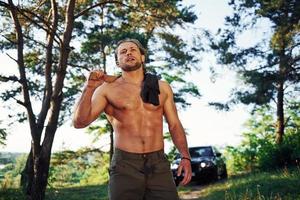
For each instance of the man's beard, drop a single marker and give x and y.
(130, 68)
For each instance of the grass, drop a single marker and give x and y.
(90, 192)
(275, 185)
(11, 194)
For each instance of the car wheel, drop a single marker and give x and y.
(215, 176)
(224, 175)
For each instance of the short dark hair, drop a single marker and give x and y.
(135, 41)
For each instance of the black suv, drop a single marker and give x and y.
(207, 164)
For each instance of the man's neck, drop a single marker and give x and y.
(134, 77)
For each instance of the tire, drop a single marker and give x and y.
(215, 176)
(224, 175)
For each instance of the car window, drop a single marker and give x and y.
(199, 152)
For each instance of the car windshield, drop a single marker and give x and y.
(200, 152)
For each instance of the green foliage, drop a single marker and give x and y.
(97, 171)
(259, 151)
(176, 50)
(102, 128)
(11, 194)
(273, 185)
(262, 87)
(267, 63)
(71, 171)
(12, 171)
(83, 167)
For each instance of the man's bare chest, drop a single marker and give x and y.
(129, 98)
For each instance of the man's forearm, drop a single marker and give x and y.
(180, 141)
(82, 109)
(182, 147)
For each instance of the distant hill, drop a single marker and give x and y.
(8, 157)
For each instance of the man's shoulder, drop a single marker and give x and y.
(106, 87)
(164, 86)
(110, 85)
(163, 83)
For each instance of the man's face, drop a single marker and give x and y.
(129, 56)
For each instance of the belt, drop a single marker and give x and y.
(137, 156)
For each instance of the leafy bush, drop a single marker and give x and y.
(83, 167)
(97, 173)
(12, 172)
(259, 151)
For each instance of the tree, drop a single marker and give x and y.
(21, 38)
(3, 135)
(258, 149)
(51, 70)
(269, 68)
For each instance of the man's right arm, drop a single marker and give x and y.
(91, 102)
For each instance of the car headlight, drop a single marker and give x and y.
(203, 164)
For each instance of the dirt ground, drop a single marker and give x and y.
(193, 193)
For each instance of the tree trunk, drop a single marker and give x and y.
(280, 114)
(27, 175)
(35, 175)
(280, 95)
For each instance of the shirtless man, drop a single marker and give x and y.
(139, 168)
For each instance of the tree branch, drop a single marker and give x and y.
(40, 4)
(136, 9)
(4, 4)
(47, 30)
(11, 41)
(20, 102)
(9, 78)
(287, 121)
(23, 11)
(37, 42)
(12, 58)
(57, 95)
(76, 66)
(96, 5)
(260, 68)
(294, 46)
(48, 66)
(20, 61)
(295, 60)
(79, 66)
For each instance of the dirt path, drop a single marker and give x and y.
(193, 193)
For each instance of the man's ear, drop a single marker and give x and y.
(117, 63)
(143, 59)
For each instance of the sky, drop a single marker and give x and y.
(204, 125)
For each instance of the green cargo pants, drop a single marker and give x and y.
(135, 176)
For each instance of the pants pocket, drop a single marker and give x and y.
(115, 166)
(162, 167)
